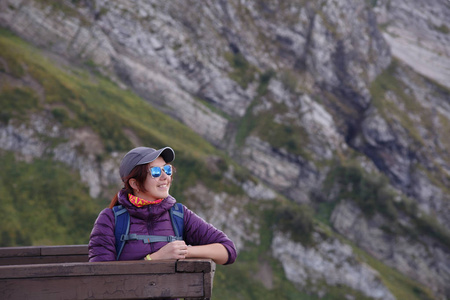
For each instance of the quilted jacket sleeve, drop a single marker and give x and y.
(102, 239)
(199, 232)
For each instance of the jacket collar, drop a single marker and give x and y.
(147, 211)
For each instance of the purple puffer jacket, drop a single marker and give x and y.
(151, 219)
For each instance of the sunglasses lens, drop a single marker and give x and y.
(155, 172)
(168, 170)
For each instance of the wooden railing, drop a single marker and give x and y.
(62, 272)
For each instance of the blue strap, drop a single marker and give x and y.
(122, 227)
(147, 239)
(177, 217)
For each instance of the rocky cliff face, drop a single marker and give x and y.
(406, 252)
(330, 261)
(286, 89)
(418, 34)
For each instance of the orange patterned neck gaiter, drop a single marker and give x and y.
(139, 202)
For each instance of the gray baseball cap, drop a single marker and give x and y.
(143, 155)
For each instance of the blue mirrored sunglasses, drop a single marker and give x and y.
(157, 171)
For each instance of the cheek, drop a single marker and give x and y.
(149, 184)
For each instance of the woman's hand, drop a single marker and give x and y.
(179, 250)
(173, 250)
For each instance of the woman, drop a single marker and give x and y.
(147, 176)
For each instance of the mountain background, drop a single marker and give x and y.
(314, 133)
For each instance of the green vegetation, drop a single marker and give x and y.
(392, 111)
(67, 10)
(238, 281)
(43, 203)
(290, 81)
(243, 72)
(61, 115)
(197, 170)
(370, 192)
(323, 212)
(443, 29)
(427, 225)
(372, 3)
(11, 64)
(213, 108)
(289, 136)
(15, 102)
(264, 80)
(398, 284)
(400, 110)
(296, 220)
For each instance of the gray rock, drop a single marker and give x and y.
(421, 259)
(418, 34)
(329, 260)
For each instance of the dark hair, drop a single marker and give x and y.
(139, 173)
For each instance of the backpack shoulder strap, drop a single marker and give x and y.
(122, 227)
(177, 217)
(176, 213)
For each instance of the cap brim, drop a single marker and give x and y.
(166, 153)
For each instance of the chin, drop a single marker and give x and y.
(163, 196)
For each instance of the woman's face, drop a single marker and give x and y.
(157, 188)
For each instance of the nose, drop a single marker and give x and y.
(163, 175)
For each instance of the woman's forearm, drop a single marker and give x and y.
(217, 252)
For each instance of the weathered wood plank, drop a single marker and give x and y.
(142, 286)
(43, 254)
(65, 250)
(81, 269)
(44, 250)
(194, 265)
(208, 279)
(20, 251)
(27, 260)
(207, 267)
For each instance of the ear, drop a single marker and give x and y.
(133, 184)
